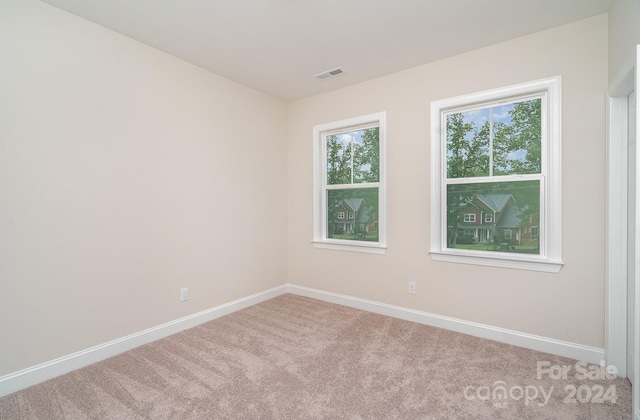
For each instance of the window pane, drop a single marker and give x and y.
(468, 144)
(353, 157)
(361, 207)
(339, 160)
(517, 144)
(366, 156)
(496, 216)
(499, 140)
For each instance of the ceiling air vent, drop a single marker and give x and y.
(329, 73)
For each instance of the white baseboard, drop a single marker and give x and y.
(27, 377)
(48, 370)
(548, 345)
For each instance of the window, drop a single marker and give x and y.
(349, 172)
(498, 152)
(469, 218)
(340, 215)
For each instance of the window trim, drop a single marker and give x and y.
(550, 258)
(320, 239)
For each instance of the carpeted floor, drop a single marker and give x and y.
(298, 358)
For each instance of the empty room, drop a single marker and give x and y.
(338, 209)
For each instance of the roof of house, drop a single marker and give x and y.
(509, 218)
(495, 202)
(363, 215)
(354, 203)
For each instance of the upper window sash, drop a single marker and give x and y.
(494, 113)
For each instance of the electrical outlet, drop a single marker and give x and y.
(184, 294)
(412, 287)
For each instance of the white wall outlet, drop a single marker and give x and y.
(184, 294)
(412, 287)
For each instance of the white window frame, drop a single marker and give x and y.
(469, 218)
(488, 218)
(340, 215)
(320, 239)
(550, 226)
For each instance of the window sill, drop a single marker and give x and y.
(352, 246)
(500, 260)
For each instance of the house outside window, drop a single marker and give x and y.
(340, 215)
(498, 152)
(349, 176)
(469, 218)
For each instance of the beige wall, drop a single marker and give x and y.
(624, 32)
(567, 306)
(125, 174)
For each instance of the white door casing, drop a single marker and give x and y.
(622, 292)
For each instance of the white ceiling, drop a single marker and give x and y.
(277, 46)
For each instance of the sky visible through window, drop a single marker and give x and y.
(499, 140)
(346, 148)
(500, 115)
(353, 157)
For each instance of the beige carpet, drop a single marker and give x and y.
(299, 358)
